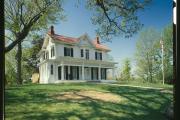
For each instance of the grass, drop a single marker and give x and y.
(89, 102)
(146, 84)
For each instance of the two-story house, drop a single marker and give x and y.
(67, 58)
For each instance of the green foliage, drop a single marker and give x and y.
(167, 38)
(149, 55)
(23, 17)
(10, 68)
(116, 17)
(30, 58)
(126, 70)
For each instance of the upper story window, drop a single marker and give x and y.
(44, 55)
(82, 53)
(52, 51)
(68, 51)
(98, 56)
(51, 69)
(47, 55)
(87, 54)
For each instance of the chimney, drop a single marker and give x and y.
(52, 30)
(97, 39)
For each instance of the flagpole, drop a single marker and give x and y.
(162, 48)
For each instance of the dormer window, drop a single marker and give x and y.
(52, 52)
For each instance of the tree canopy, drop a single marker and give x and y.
(24, 16)
(116, 17)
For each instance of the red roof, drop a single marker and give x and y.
(99, 45)
(72, 40)
(64, 38)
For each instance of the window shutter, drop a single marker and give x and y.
(53, 51)
(51, 69)
(82, 53)
(105, 73)
(97, 73)
(92, 73)
(71, 52)
(78, 72)
(96, 55)
(100, 56)
(65, 51)
(44, 56)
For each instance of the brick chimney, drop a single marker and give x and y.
(97, 39)
(52, 30)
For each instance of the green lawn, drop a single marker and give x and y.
(73, 101)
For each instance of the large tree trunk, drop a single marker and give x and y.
(18, 59)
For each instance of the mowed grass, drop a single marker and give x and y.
(84, 101)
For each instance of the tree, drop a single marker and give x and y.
(23, 17)
(30, 58)
(148, 52)
(10, 65)
(126, 70)
(167, 37)
(116, 17)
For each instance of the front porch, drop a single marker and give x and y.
(69, 68)
(69, 72)
(75, 69)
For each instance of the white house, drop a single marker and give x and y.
(67, 58)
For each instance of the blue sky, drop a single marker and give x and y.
(78, 22)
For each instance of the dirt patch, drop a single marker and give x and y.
(95, 95)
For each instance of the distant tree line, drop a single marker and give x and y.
(148, 57)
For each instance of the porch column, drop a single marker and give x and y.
(62, 72)
(99, 73)
(82, 72)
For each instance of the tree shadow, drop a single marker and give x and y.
(140, 104)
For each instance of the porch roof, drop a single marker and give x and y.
(80, 61)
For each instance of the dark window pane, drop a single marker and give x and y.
(100, 56)
(82, 54)
(51, 69)
(71, 52)
(87, 54)
(65, 51)
(95, 55)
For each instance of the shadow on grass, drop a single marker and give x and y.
(140, 104)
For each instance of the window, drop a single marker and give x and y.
(52, 51)
(47, 55)
(44, 56)
(68, 51)
(82, 53)
(87, 54)
(51, 69)
(98, 56)
(95, 55)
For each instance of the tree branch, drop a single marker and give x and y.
(20, 36)
(101, 4)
